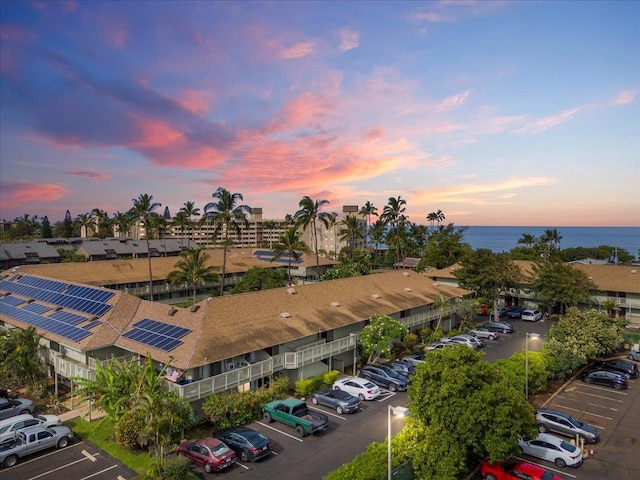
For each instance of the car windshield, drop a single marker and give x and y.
(567, 446)
(547, 475)
(220, 449)
(369, 385)
(254, 437)
(574, 421)
(392, 373)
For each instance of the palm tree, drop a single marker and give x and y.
(181, 221)
(20, 359)
(290, 246)
(191, 211)
(393, 215)
(527, 239)
(432, 218)
(377, 234)
(552, 235)
(351, 232)
(269, 226)
(440, 216)
(225, 214)
(193, 270)
(142, 210)
(440, 302)
(87, 224)
(123, 222)
(368, 210)
(307, 216)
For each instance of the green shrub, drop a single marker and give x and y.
(410, 340)
(330, 377)
(308, 386)
(126, 429)
(176, 468)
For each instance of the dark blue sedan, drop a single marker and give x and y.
(248, 444)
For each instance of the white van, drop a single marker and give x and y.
(10, 426)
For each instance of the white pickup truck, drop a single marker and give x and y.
(32, 440)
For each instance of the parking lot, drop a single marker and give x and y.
(78, 461)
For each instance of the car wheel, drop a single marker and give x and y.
(361, 397)
(300, 431)
(492, 338)
(630, 357)
(339, 410)
(542, 428)
(618, 386)
(336, 387)
(490, 476)
(63, 442)
(392, 387)
(208, 468)
(266, 416)
(244, 456)
(588, 380)
(24, 412)
(560, 462)
(10, 461)
(314, 400)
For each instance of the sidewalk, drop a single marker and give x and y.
(82, 412)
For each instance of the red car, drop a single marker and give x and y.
(212, 454)
(515, 469)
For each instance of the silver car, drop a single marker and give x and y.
(10, 407)
(548, 420)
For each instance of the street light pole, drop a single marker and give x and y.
(401, 412)
(534, 336)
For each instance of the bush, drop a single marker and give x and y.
(176, 468)
(410, 340)
(126, 429)
(308, 386)
(330, 377)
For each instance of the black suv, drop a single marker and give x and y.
(630, 369)
(608, 378)
(385, 377)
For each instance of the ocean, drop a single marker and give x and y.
(503, 239)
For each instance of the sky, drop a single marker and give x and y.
(495, 112)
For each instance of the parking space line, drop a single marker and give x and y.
(600, 406)
(98, 473)
(387, 397)
(53, 452)
(326, 412)
(246, 467)
(60, 468)
(280, 431)
(563, 472)
(602, 389)
(601, 396)
(583, 411)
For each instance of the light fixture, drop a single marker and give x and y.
(399, 412)
(533, 336)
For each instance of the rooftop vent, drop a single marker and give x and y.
(335, 304)
(57, 309)
(436, 284)
(194, 308)
(172, 311)
(408, 289)
(406, 274)
(633, 271)
(291, 291)
(375, 296)
(285, 315)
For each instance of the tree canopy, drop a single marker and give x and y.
(376, 337)
(558, 283)
(257, 278)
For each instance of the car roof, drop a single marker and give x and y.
(16, 418)
(547, 437)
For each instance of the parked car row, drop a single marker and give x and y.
(10, 427)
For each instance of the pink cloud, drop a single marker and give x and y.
(196, 101)
(20, 193)
(155, 133)
(373, 134)
(16, 34)
(89, 174)
(303, 111)
(626, 97)
(546, 123)
(349, 39)
(453, 101)
(299, 50)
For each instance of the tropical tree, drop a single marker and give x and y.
(551, 236)
(559, 283)
(190, 211)
(47, 232)
(268, 226)
(102, 222)
(445, 246)
(377, 233)
(393, 216)
(142, 210)
(368, 210)
(488, 274)
(310, 213)
(67, 225)
(440, 303)
(181, 222)
(376, 337)
(432, 218)
(291, 247)
(25, 226)
(225, 214)
(527, 239)
(193, 270)
(87, 224)
(19, 359)
(351, 231)
(257, 278)
(123, 222)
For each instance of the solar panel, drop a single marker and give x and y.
(11, 300)
(68, 317)
(91, 324)
(163, 336)
(49, 324)
(36, 308)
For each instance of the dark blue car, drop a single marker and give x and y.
(515, 311)
(248, 444)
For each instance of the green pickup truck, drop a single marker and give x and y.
(296, 414)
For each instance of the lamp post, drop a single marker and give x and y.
(533, 336)
(401, 412)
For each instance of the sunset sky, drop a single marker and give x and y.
(495, 112)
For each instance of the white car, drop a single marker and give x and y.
(531, 315)
(554, 449)
(463, 341)
(484, 332)
(358, 387)
(10, 426)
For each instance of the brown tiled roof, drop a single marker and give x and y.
(114, 272)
